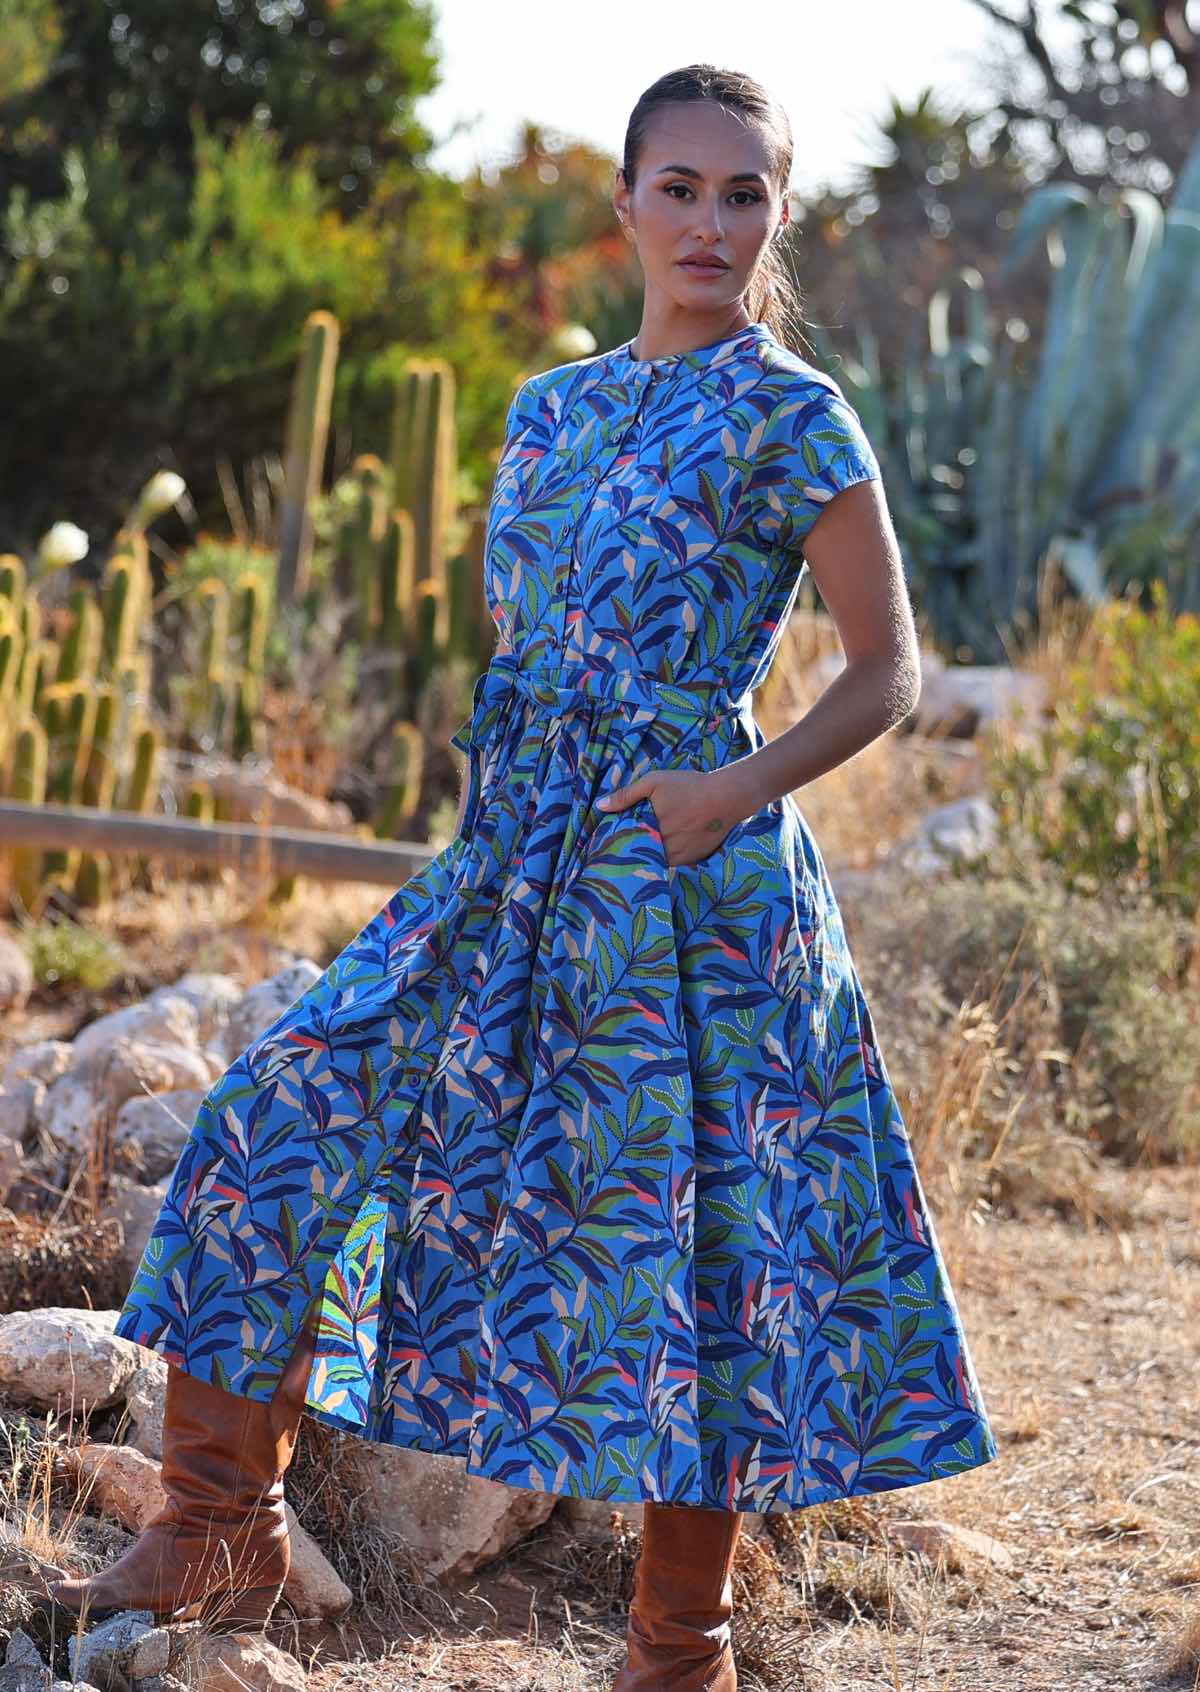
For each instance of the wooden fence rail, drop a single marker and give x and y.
(277, 851)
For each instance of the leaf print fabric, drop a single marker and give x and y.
(591, 1162)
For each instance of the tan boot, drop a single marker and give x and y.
(679, 1636)
(218, 1552)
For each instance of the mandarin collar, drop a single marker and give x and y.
(671, 365)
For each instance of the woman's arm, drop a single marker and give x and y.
(854, 558)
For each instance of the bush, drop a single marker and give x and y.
(1110, 790)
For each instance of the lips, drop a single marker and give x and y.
(704, 264)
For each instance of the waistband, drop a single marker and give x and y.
(564, 687)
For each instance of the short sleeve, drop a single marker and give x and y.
(822, 449)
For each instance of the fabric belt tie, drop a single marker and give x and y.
(561, 688)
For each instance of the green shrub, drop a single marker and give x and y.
(1110, 790)
(1114, 975)
(63, 952)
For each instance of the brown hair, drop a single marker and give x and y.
(772, 296)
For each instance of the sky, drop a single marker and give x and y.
(578, 71)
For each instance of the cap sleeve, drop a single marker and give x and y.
(820, 447)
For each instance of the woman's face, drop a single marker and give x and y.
(704, 188)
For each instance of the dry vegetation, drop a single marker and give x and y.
(1043, 1046)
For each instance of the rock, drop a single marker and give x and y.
(108, 1654)
(19, 1105)
(962, 831)
(167, 1019)
(146, 1402)
(149, 1133)
(313, 1586)
(79, 1101)
(592, 1517)
(16, 974)
(451, 1521)
(55, 1357)
(128, 1485)
(21, 1649)
(136, 1208)
(961, 700)
(961, 1546)
(266, 1002)
(24, 1677)
(213, 997)
(119, 1481)
(242, 1662)
(44, 1060)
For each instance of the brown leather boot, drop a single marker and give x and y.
(218, 1552)
(679, 1637)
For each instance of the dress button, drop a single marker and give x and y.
(552, 640)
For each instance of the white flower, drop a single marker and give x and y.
(159, 494)
(62, 544)
(574, 340)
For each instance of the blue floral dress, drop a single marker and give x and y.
(591, 1162)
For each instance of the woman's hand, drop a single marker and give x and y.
(695, 809)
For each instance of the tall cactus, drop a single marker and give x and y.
(307, 432)
(28, 787)
(424, 461)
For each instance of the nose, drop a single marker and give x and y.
(708, 214)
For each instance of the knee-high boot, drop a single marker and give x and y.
(218, 1551)
(679, 1635)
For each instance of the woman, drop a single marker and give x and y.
(581, 1161)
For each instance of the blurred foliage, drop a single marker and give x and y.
(335, 80)
(1110, 790)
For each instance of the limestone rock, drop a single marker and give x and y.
(962, 831)
(44, 1060)
(163, 1018)
(54, 1358)
(146, 1402)
(453, 1522)
(136, 1208)
(16, 974)
(242, 1662)
(79, 1101)
(212, 996)
(961, 1546)
(266, 1002)
(149, 1132)
(116, 1651)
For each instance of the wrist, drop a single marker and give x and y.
(740, 788)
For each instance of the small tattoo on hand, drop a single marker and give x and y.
(715, 825)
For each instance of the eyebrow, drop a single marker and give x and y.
(698, 175)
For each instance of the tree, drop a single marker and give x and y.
(335, 80)
(1124, 108)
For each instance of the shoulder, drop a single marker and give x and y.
(789, 381)
(548, 391)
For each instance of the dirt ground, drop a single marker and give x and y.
(1085, 1341)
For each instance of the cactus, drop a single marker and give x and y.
(69, 713)
(307, 432)
(424, 462)
(397, 578)
(79, 654)
(28, 787)
(402, 794)
(251, 611)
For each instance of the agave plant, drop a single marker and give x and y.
(1093, 464)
